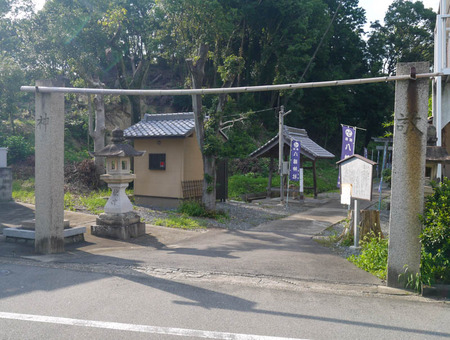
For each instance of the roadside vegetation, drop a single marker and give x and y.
(256, 182)
(435, 240)
(92, 202)
(251, 43)
(373, 256)
(180, 222)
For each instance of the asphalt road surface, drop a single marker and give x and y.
(73, 301)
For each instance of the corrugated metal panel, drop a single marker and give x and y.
(308, 146)
(306, 143)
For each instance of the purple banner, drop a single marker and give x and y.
(348, 141)
(294, 168)
(348, 145)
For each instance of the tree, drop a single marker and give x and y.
(130, 27)
(11, 78)
(190, 24)
(407, 35)
(12, 74)
(70, 40)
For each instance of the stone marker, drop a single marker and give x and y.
(3, 157)
(408, 173)
(5, 177)
(5, 184)
(49, 173)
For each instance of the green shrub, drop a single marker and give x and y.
(18, 149)
(387, 175)
(95, 202)
(197, 209)
(435, 236)
(327, 174)
(23, 191)
(69, 201)
(181, 222)
(244, 184)
(72, 156)
(373, 257)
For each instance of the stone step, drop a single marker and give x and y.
(20, 233)
(30, 224)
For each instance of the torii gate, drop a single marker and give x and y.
(49, 151)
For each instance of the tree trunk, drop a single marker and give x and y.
(97, 133)
(135, 109)
(209, 183)
(370, 222)
(197, 71)
(11, 119)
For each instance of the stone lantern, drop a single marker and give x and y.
(119, 220)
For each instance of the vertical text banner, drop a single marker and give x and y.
(348, 145)
(294, 169)
(348, 141)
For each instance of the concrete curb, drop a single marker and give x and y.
(441, 291)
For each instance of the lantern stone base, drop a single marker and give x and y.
(119, 226)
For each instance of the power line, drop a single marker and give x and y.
(315, 52)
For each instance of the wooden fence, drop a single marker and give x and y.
(192, 190)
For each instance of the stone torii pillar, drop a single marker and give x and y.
(49, 173)
(408, 173)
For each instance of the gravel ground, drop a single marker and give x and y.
(242, 216)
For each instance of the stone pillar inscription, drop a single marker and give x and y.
(408, 173)
(49, 173)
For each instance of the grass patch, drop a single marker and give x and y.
(94, 202)
(180, 222)
(327, 174)
(69, 201)
(23, 191)
(373, 257)
(196, 209)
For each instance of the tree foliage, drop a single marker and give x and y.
(141, 44)
(406, 36)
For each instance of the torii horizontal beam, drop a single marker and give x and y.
(260, 88)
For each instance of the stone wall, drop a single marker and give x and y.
(5, 184)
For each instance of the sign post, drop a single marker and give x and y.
(357, 182)
(294, 165)
(281, 116)
(301, 184)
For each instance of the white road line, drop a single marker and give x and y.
(138, 328)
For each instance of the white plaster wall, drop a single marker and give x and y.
(445, 105)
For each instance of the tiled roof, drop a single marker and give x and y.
(437, 154)
(308, 147)
(162, 125)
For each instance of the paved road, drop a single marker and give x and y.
(271, 281)
(281, 248)
(70, 302)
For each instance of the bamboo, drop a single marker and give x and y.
(261, 88)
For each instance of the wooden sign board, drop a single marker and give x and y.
(357, 171)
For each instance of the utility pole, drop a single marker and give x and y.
(280, 149)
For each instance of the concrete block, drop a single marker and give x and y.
(31, 224)
(3, 154)
(5, 184)
(20, 233)
(119, 226)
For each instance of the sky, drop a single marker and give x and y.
(375, 9)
